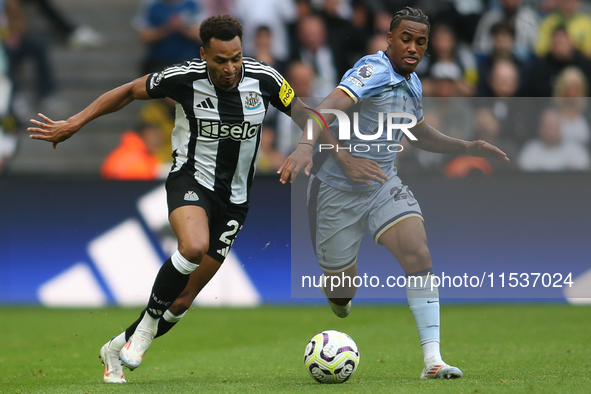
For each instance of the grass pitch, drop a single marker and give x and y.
(500, 348)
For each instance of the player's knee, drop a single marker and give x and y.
(417, 255)
(422, 254)
(194, 251)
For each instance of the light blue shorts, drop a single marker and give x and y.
(339, 219)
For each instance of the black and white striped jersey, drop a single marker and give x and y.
(217, 133)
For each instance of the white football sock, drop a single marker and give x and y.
(431, 353)
(148, 324)
(181, 264)
(172, 318)
(118, 342)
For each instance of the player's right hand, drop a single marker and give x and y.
(51, 131)
(362, 170)
(285, 170)
(301, 159)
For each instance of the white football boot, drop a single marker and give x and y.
(132, 353)
(441, 371)
(113, 367)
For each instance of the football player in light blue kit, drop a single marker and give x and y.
(341, 208)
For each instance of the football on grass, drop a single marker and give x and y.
(331, 357)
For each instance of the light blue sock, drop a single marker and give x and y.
(423, 300)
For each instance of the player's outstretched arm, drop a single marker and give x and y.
(358, 169)
(430, 139)
(112, 101)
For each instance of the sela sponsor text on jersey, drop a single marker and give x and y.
(220, 130)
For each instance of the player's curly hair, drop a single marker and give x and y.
(222, 27)
(409, 14)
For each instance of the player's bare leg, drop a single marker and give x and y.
(197, 281)
(339, 290)
(191, 227)
(407, 241)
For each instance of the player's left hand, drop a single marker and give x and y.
(484, 149)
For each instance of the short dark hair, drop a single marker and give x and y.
(502, 27)
(560, 28)
(222, 27)
(262, 29)
(409, 14)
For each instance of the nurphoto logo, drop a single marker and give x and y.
(395, 127)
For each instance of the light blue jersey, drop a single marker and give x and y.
(376, 88)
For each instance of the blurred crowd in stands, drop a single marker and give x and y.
(20, 45)
(511, 72)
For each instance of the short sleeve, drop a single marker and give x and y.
(416, 92)
(366, 78)
(419, 102)
(167, 83)
(281, 94)
(273, 86)
(419, 111)
(157, 86)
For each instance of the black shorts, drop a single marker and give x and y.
(225, 219)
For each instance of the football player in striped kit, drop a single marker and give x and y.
(221, 100)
